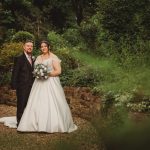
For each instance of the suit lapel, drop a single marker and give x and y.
(26, 60)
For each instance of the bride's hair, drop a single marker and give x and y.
(47, 43)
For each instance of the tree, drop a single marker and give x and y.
(125, 17)
(83, 8)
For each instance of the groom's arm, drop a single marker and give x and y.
(15, 73)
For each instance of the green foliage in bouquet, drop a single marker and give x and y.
(40, 72)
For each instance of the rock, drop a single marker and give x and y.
(82, 102)
(7, 96)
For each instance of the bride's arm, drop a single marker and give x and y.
(57, 69)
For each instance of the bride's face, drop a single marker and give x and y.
(44, 48)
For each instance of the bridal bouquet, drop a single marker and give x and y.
(40, 71)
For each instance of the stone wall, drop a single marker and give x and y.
(7, 96)
(80, 99)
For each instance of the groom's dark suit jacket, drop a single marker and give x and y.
(22, 76)
(22, 80)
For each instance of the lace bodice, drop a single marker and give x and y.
(47, 62)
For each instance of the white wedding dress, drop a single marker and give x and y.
(47, 109)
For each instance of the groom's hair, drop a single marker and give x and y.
(28, 41)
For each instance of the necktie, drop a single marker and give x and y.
(30, 60)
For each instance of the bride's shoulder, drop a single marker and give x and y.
(55, 57)
(38, 57)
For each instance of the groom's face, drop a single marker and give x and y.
(28, 47)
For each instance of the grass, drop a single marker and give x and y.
(114, 76)
(78, 140)
(118, 131)
(32, 141)
(41, 141)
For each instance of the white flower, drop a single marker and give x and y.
(33, 58)
(46, 77)
(40, 71)
(42, 74)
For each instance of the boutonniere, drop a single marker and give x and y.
(33, 58)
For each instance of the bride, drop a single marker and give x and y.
(47, 109)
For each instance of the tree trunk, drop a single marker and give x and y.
(78, 8)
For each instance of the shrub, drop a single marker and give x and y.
(89, 32)
(69, 63)
(9, 34)
(22, 36)
(73, 37)
(68, 60)
(126, 99)
(118, 132)
(56, 40)
(105, 48)
(5, 78)
(7, 53)
(83, 76)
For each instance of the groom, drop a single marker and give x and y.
(22, 78)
